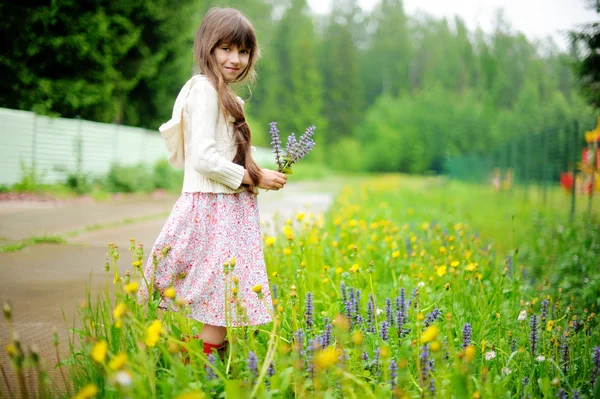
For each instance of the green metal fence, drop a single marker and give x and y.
(543, 167)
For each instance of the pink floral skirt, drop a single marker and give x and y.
(204, 231)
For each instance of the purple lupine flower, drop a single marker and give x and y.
(306, 142)
(357, 303)
(309, 311)
(365, 357)
(291, 149)
(327, 333)
(393, 373)
(425, 364)
(510, 264)
(576, 394)
(371, 314)
(276, 144)
(596, 368)
(432, 387)
(343, 292)
(414, 294)
(299, 341)
(385, 326)
(564, 351)
(375, 365)
(210, 374)
(513, 345)
(350, 304)
(252, 365)
(313, 346)
(431, 317)
(544, 309)
(408, 245)
(270, 373)
(561, 394)
(274, 291)
(388, 312)
(533, 335)
(466, 335)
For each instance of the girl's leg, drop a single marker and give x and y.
(212, 334)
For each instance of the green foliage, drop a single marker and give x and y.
(129, 179)
(566, 256)
(166, 177)
(31, 179)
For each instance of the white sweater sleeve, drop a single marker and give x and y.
(202, 107)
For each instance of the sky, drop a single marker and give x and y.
(535, 18)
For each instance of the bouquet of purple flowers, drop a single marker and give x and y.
(295, 149)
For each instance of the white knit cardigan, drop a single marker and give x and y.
(200, 140)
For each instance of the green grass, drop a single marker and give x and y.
(440, 246)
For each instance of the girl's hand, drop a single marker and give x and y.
(272, 180)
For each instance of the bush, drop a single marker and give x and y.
(566, 257)
(167, 177)
(129, 179)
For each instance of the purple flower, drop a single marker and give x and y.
(276, 144)
(343, 292)
(596, 368)
(365, 357)
(431, 317)
(270, 373)
(210, 374)
(385, 330)
(327, 334)
(466, 336)
(564, 350)
(252, 365)
(292, 149)
(544, 309)
(388, 312)
(306, 142)
(274, 291)
(533, 337)
(309, 311)
(393, 373)
(371, 315)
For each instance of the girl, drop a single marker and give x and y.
(211, 241)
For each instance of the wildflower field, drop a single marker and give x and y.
(394, 293)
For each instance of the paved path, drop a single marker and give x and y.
(43, 280)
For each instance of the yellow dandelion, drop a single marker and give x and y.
(550, 325)
(99, 351)
(455, 263)
(425, 226)
(334, 244)
(395, 254)
(118, 362)
(339, 270)
(357, 337)
(443, 250)
(87, 392)
(232, 262)
(288, 232)
(469, 353)
(429, 334)
(119, 311)
(354, 268)
(170, 293)
(153, 333)
(435, 346)
(270, 241)
(257, 288)
(471, 267)
(132, 287)
(326, 358)
(300, 216)
(287, 251)
(274, 274)
(441, 270)
(192, 395)
(413, 239)
(325, 280)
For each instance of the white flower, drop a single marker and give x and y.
(489, 355)
(123, 378)
(522, 315)
(540, 358)
(421, 284)
(506, 371)
(379, 311)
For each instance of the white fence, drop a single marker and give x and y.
(54, 145)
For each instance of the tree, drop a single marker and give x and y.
(587, 49)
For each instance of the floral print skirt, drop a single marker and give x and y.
(204, 232)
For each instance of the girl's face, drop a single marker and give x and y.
(231, 60)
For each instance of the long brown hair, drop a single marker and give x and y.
(228, 25)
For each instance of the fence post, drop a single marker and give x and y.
(574, 154)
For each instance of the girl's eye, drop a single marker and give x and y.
(225, 48)
(244, 51)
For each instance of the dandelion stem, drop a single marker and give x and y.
(6, 380)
